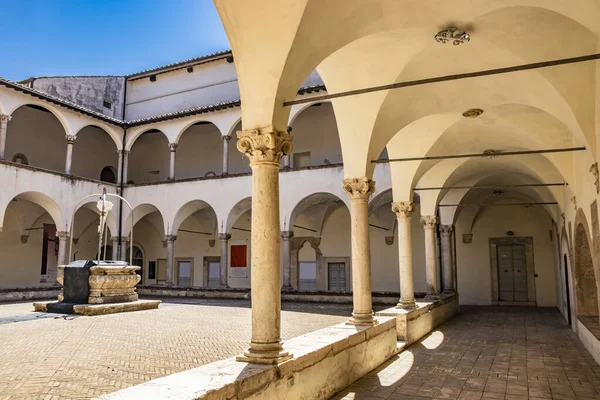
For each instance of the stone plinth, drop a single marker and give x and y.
(411, 325)
(95, 309)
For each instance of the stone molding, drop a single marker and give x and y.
(358, 188)
(70, 139)
(287, 235)
(224, 237)
(403, 209)
(169, 238)
(429, 221)
(172, 147)
(446, 229)
(121, 152)
(226, 138)
(268, 146)
(62, 235)
(5, 118)
(24, 238)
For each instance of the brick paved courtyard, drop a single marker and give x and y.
(49, 356)
(488, 353)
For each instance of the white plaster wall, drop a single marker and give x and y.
(92, 151)
(150, 152)
(210, 83)
(473, 259)
(200, 150)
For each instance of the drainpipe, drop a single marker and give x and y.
(120, 246)
(438, 241)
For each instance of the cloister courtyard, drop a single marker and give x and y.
(483, 353)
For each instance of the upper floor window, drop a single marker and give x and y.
(20, 158)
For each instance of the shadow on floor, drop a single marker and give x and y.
(488, 352)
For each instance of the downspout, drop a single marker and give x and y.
(120, 246)
(438, 243)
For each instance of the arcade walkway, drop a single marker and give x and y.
(488, 353)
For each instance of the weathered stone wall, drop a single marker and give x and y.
(87, 91)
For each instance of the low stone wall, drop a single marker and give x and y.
(29, 293)
(325, 362)
(412, 325)
(381, 298)
(589, 340)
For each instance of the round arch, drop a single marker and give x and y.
(189, 209)
(239, 209)
(324, 201)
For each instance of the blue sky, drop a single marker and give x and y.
(104, 37)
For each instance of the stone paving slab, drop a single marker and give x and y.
(488, 353)
(76, 357)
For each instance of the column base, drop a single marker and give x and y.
(448, 291)
(432, 296)
(260, 353)
(223, 286)
(362, 320)
(407, 304)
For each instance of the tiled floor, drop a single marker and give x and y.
(51, 356)
(488, 353)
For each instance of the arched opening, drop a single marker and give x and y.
(35, 136)
(108, 174)
(95, 155)
(138, 258)
(149, 238)
(29, 245)
(149, 158)
(197, 250)
(316, 138)
(238, 163)
(239, 225)
(199, 151)
(586, 290)
(320, 249)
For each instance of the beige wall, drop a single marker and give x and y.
(92, 151)
(150, 152)
(200, 150)
(474, 269)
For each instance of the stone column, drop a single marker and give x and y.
(3, 127)
(224, 238)
(359, 191)
(62, 255)
(403, 211)
(123, 162)
(287, 259)
(447, 267)
(226, 140)
(429, 222)
(170, 273)
(265, 148)
(115, 247)
(69, 160)
(172, 149)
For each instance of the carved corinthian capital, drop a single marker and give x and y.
(5, 118)
(358, 188)
(429, 221)
(446, 229)
(264, 146)
(403, 209)
(70, 139)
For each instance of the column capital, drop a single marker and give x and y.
(70, 138)
(224, 236)
(429, 221)
(62, 235)
(264, 145)
(118, 238)
(170, 238)
(446, 229)
(358, 188)
(403, 209)
(121, 152)
(5, 118)
(226, 138)
(172, 147)
(287, 235)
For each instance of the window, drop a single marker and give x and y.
(108, 174)
(151, 269)
(138, 259)
(302, 159)
(107, 104)
(307, 276)
(20, 158)
(152, 78)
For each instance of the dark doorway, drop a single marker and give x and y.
(567, 289)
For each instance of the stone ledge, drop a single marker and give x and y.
(411, 325)
(95, 309)
(29, 293)
(325, 362)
